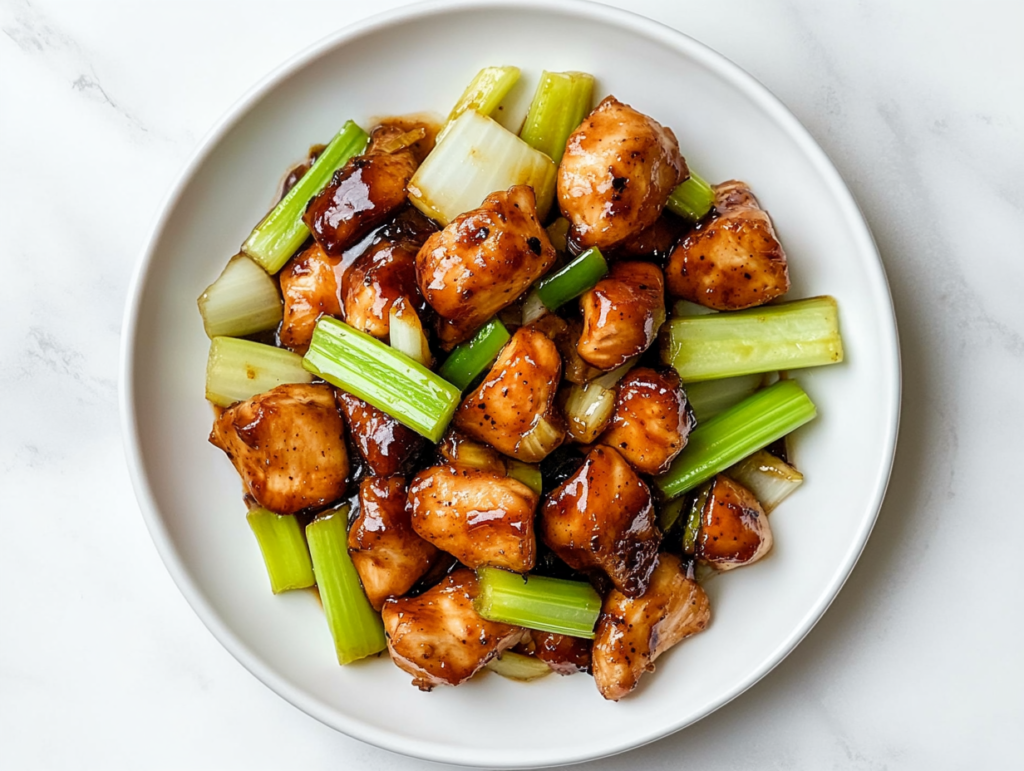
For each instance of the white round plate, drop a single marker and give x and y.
(419, 59)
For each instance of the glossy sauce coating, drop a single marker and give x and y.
(388, 555)
(616, 175)
(622, 314)
(288, 445)
(602, 517)
(734, 529)
(564, 654)
(439, 638)
(310, 286)
(482, 261)
(477, 516)
(517, 393)
(378, 278)
(633, 632)
(651, 422)
(734, 260)
(384, 443)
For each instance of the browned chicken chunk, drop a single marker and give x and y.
(602, 517)
(633, 632)
(479, 517)
(439, 638)
(483, 261)
(622, 314)
(734, 529)
(618, 170)
(310, 284)
(565, 655)
(734, 260)
(288, 445)
(384, 443)
(651, 422)
(386, 552)
(362, 193)
(379, 277)
(655, 242)
(512, 409)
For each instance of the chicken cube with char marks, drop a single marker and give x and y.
(288, 445)
(384, 443)
(310, 285)
(564, 654)
(734, 529)
(439, 638)
(387, 553)
(734, 260)
(479, 517)
(376, 280)
(651, 422)
(512, 410)
(634, 631)
(616, 175)
(622, 314)
(362, 194)
(603, 517)
(482, 261)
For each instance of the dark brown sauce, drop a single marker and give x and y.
(427, 121)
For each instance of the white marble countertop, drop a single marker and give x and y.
(917, 665)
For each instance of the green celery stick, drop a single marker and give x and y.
(239, 369)
(537, 602)
(561, 102)
(485, 92)
(527, 473)
(283, 544)
(692, 199)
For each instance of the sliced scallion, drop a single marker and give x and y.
(538, 602)
(692, 199)
(566, 284)
(468, 360)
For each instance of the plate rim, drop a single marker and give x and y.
(723, 67)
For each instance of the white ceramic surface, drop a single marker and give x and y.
(728, 127)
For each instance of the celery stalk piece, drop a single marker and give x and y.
(561, 102)
(692, 199)
(485, 92)
(282, 231)
(382, 376)
(239, 369)
(242, 301)
(471, 358)
(787, 336)
(527, 473)
(669, 514)
(538, 602)
(769, 478)
(516, 666)
(356, 627)
(692, 529)
(730, 436)
(476, 157)
(554, 291)
(710, 397)
(283, 544)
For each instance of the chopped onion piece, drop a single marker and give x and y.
(407, 334)
(516, 666)
(768, 477)
(242, 301)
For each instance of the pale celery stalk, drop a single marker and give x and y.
(527, 473)
(242, 301)
(239, 369)
(787, 336)
(710, 397)
(730, 436)
(283, 545)
(282, 232)
(537, 602)
(561, 102)
(382, 376)
(356, 627)
(692, 199)
(485, 92)
(516, 666)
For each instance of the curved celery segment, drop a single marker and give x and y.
(283, 545)
(485, 92)
(538, 602)
(242, 301)
(376, 373)
(239, 369)
(692, 199)
(356, 627)
(730, 436)
(787, 336)
(561, 102)
(282, 231)
(471, 358)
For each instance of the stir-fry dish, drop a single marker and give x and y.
(507, 400)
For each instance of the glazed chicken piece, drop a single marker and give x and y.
(512, 409)
(383, 274)
(734, 260)
(384, 443)
(565, 655)
(633, 632)
(477, 516)
(651, 422)
(439, 638)
(734, 529)
(618, 170)
(288, 445)
(602, 517)
(655, 242)
(388, 555)
(310, 284)
(362, 193)
(622, 314)
(483, 261)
